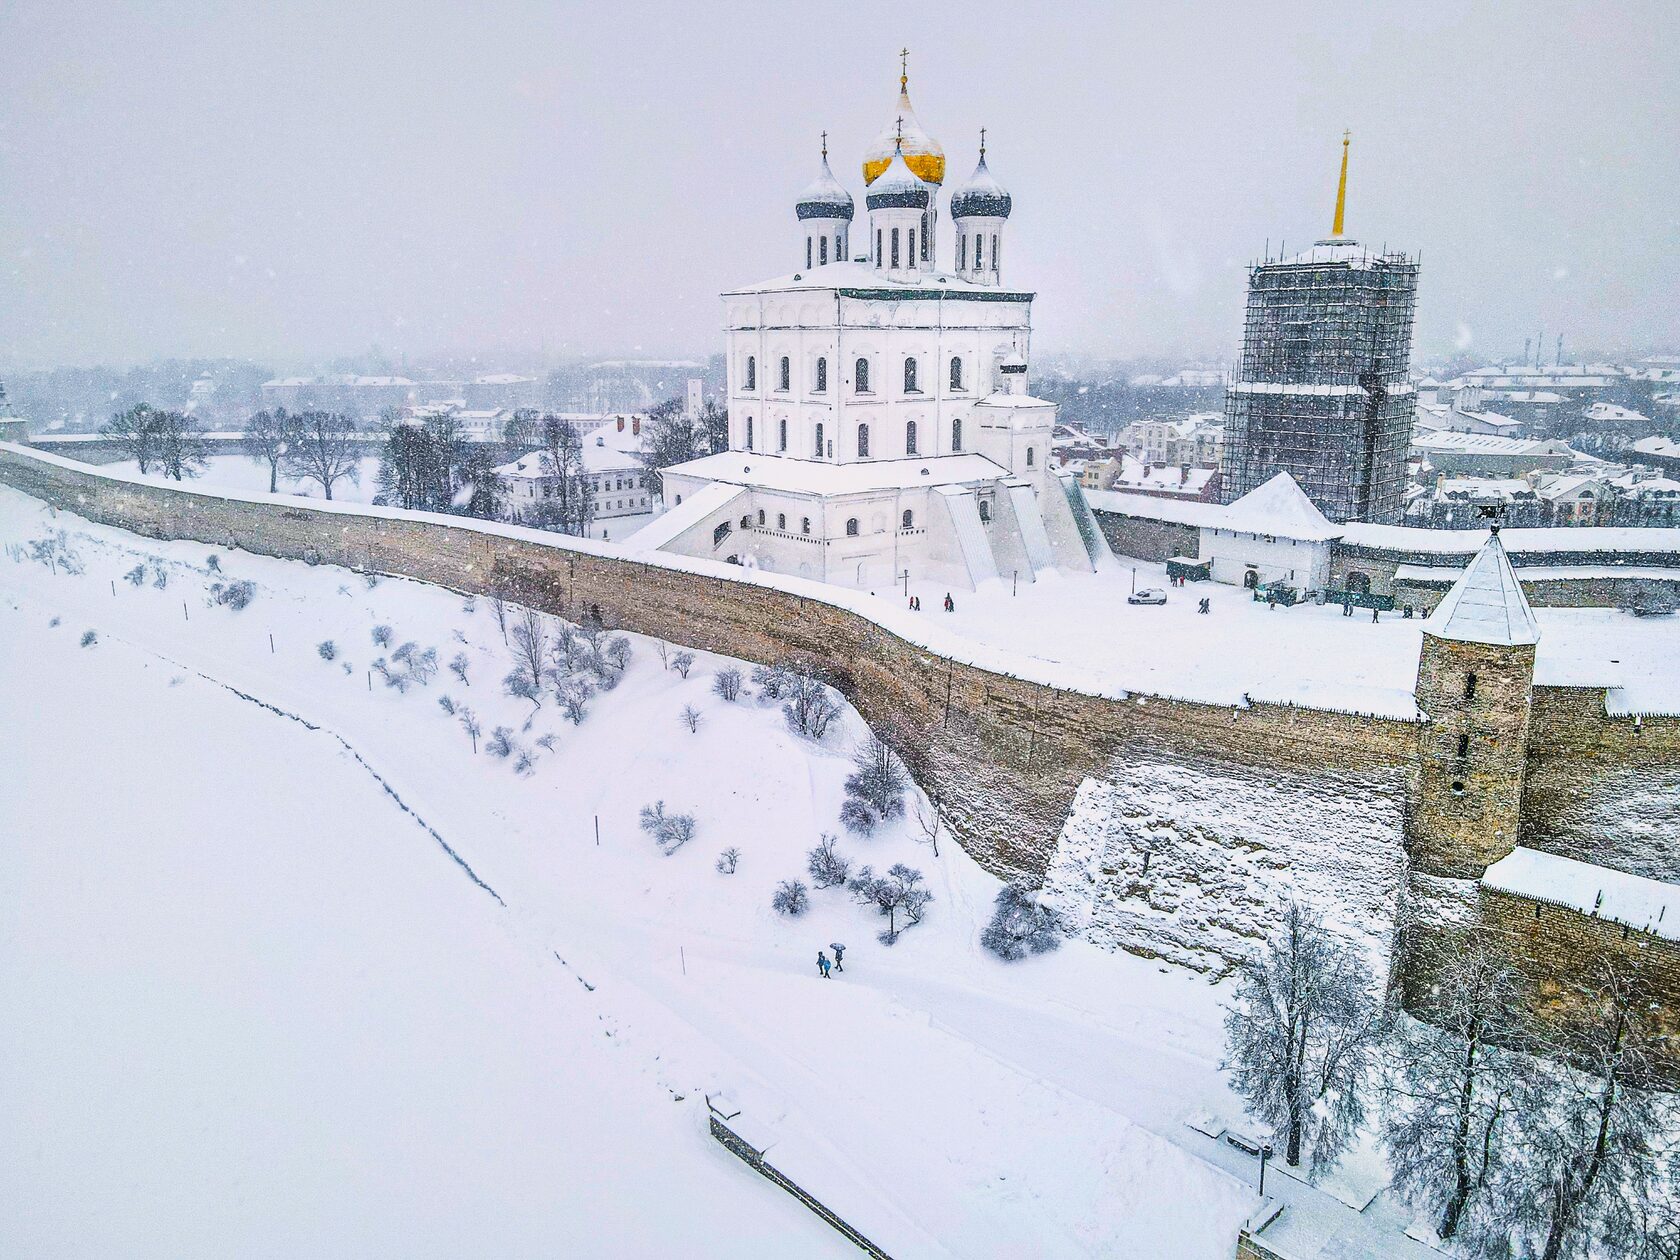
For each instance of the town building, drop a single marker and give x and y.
(1323, 390)
(611, 468)
(880, 425)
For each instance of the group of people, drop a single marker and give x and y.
(823, 963)
(916, 603)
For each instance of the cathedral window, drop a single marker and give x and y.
(749, 433)
(781, 434)
(822, 252)
(877, 247)
(962, 252)
(822, 376)
(1029, 457)
(912, 250)
(994, 252)
(863, 441)
(956, 435)
(819, 441)
(979, 251)
(956, 372)
(985, 510)
(752, 373)
(804, 524)
(720, 533)
(781, 521)
(862, 367)
(807, 253)
(910, 437)
(786, 377)
(761, 516)
(895, 248)
(746, 522)
(851, 527)
(927, 233)
(910, 377)
(909, 519)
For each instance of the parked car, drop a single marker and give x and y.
(1149, 595)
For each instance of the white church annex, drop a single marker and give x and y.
(879, 422)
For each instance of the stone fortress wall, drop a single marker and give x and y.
(1004, 755)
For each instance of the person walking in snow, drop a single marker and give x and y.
(1202, 607)
(839, 955)
(822, 964)
(950, 604)
(1373, 614)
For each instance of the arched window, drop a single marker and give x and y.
(720, 533)
(994, 252)
(804, 524)
(909, 519)
(781, 434)
(822, 251)
(819, 441)
(1469, 686)
(822, 376)
(1029, 457)
(910, 437)
(895, 248)
(877, 246)
(985, 510)
(863, 441)
(761, 516)
(962, 252)
(749, 432)
(781, 521)
(956, 435)
(851, 527)
(746, 522)
(979, 251)
(807, 253)
(752, 372)
(787, 374)
(862, 373)
(956, 371)
(910, 377)
(912, 249)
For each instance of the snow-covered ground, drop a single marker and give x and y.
(254, 1001)
(238, 475)
(1308, 654)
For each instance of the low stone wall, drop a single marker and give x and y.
(1003, 755)
(1146, 539)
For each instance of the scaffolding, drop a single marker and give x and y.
(1323, 391)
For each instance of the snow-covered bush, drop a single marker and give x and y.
(728, 860)
(89, 638)
(875, 788)
(235, 595)
(326, 649)
(669, 831)
(690, 718)
(682, 662)
(214, 563)
(56, 553)
(770, 680)
(136, 575)
(574, 698)
(827, 868)
(809, 708)
(856, 816)
(726, 684)
(421, 665)
(500, 743)
(447, 704)
(897, 893)
(518, 684)
(617, 652)
(383, 636)
(458, 667)
(1020, 924)
(790, 898)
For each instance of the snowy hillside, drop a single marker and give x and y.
(296, 964)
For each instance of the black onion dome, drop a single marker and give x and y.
(897, 187)
(981, 196)
(825, 198)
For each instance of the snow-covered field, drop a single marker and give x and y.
(1308, 654)
(254, 1004)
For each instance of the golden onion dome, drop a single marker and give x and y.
(922, 153)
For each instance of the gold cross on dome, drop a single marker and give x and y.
(903, 68)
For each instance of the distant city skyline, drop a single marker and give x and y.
(297, 183)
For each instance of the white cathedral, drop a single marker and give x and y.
(879, 421)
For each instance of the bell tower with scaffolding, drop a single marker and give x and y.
(1322, 391)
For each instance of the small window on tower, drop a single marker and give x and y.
(822, 376)
(956, 372)
(910, 437)
(895, 248)
(807, 253)
(781, 434)
(822, 252)
(979, 241)
(861, 371)
(819, 441)
(909, 519)
(851, 527)
(910, 377)
(752, 373)
(1469, 686)
(877, 246)
(781, 521)
(787, 374)
(956, 435)
(962, 252)
(863, 441)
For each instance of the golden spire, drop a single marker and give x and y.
(1341, 188)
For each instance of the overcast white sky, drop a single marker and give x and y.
(292, 180)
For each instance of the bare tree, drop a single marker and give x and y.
(726, 684)
(928, 824)
(470, 724)
(1019, 924)
(1301, 1037)
(728, 860)
(809, 709)
(499, 609)
(828, 869)
(530, 654)
(181, 451)
(324, 450)
(691, 718)
(1453, 1096)
(790, 898)
(669, 831)
(268, 438)
(682, 662)
(878, 780)
(135, 432)
(896, 893)
(458, 666)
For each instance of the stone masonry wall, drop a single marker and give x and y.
(1003, 755)
(1145, 539)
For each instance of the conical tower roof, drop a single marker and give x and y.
(1486, 604)
(825, 198)
(898, 185)
(981, 195)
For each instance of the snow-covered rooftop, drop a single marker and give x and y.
(1633, 900)
(862, 275)
(1486, 604)
(1279, 508)
(1662, 446)
(814, 476)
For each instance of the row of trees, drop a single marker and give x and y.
(1516, 1141)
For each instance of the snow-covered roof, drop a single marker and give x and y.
(813, 476)
(1488, 444)
(1279, 508)
(599, 456)
(928, 282)
(981, 195)
(1633, 900)
(1486, 604)
(1662, 446)
(824, 197)
(1331, 251)
(685, 515)
(1610, 412)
